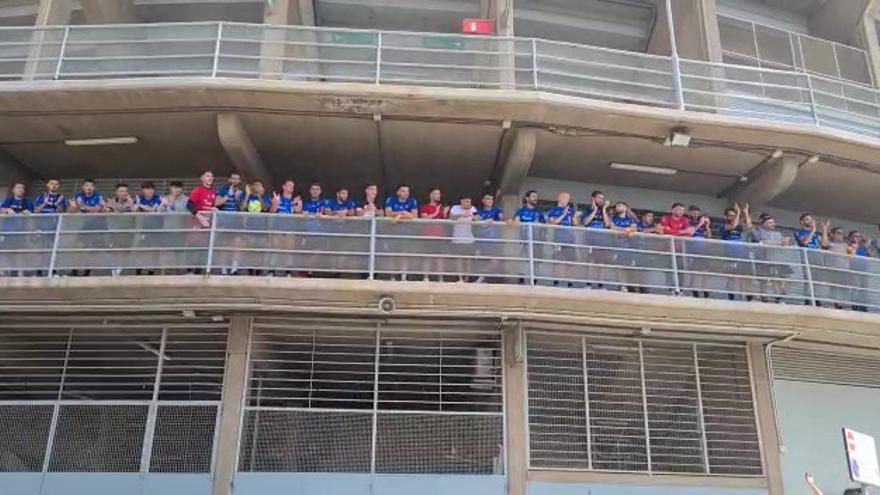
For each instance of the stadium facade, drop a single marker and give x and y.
(143, 379)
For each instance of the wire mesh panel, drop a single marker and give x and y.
(32, 363)
(305, 441)
(444, 444)
(24, 431)
(194, 363)
(654, 406)
(99, 438)
(728, 411)
(183, 440)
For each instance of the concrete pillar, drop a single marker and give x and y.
(515, 166)
(500, 11)
(767, 181)
(108, 11)
(766, 413)
(241, 150)
(231, 406)
(871, 43)
(696, 30)
(287, 13)
(515, 390)
(46, 43)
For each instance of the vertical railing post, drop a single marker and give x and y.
(61, 52)
(699, 385)
(647, 421)
(535, 64)
(209, 262)
(153, 412)
(372, 262)
(216, 63)
(809, 273)
(676, 61)
(675, 283)
(531, 235)
(379, 57)
(53, 256)
(813, 110)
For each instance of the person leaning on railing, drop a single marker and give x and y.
(202, 199)
(16, 201)
(175, 201)
(772, 275)
(51, 201)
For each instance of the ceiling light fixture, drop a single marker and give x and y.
(101, 141)
(644, 168)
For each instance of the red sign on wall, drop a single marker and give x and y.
(478, 26)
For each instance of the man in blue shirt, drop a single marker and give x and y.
(699, 266)
(148, 201)
(231, 196)
(88, 200)
(287, 202)
(401, 206)
(315, 205)
(17, 201)
(808, 237)
(489, 212)
(51, 201)
(487, 216)
(529, 213)
(562, 215)
(341, 206)
(738, 220)
(596, 216)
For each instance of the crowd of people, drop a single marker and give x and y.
(737, 226)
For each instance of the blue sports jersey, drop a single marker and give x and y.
(530, 215)
(51, 203)
(155, 202)
(862, 251)
(17, 205)
(93, 201)
(598, 222)
(314, 206)
(624, 222)
(646, 226)
(334, 205)
(493, 214)
(234, 201)
(567, 215)
(286, 205)
(398, 206)
(734, 235)
(256, 204)
(702, 232)
(805, 240)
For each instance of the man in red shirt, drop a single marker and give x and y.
(675, 223)
(201, 199)
(434, 210)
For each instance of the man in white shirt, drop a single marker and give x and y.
(463, 236)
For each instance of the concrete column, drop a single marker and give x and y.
(46, 44)
(241, 150)
(871, 44)
(108, 11)
(767, 181)
(234, 386)
(515, 390)
(766, 412)
(501, 11)
(515, 165)
(696, 30)
(287, 13)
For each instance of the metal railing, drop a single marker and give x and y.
(125, 244)
(333, 55)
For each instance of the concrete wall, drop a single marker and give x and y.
(811, 416)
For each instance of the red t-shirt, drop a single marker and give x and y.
(677, 226)
(203, 198)
(429, 210)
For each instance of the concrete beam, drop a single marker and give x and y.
(234, 386)
(108, 11)
(838, 21)
(768, 181)
(241, 150)
(766, 412)
(696, 30)
(516, 162)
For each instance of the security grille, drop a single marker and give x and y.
(614, 404)
(817, 366)
(373, 396)
(110, 394)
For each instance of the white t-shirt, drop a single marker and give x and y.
(461, 231)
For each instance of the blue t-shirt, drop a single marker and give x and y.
(286, 205)
(624, 222)
(314, 206)
(398, 206)
(862, 251)
(155, 202)
(493, 214)
(334, 205)
(598, 222)
(567, 215)
(234, 201)
(93, 201)
(51, 203)
(530, 215)
(17, 205)
(702, 232)
(804, 239)
(733, 235)
(646, 226)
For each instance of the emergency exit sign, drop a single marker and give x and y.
(478, 26)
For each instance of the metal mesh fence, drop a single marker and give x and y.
(24, 431)
(183, 441)
(194, 364)
(305, 441)
(613, 404)
(99, 439)
(32, 363)
(439, 443)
